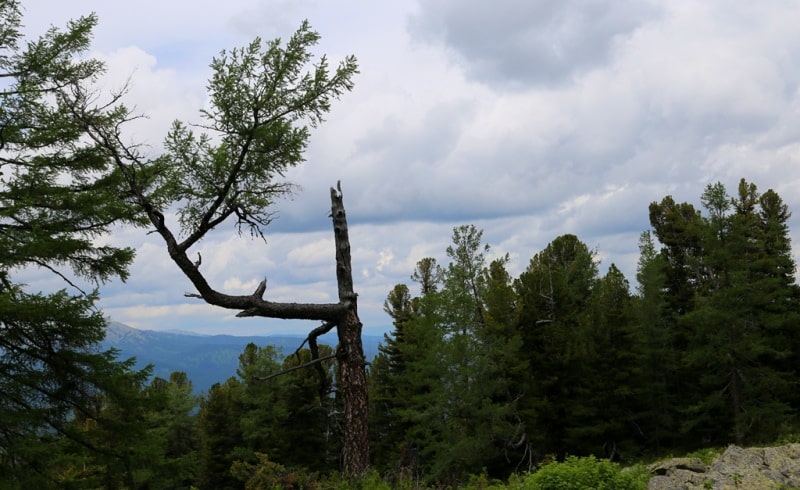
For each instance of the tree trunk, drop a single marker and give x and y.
(350, 354)
(343, 315)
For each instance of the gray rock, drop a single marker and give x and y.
(737, 468)
(667, 467)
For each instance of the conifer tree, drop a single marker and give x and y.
(608, 423)
(263, 99)
(171, 421)
(731, 311)
(740, 337)
(403, 376)
(386, 373)
(555, 292)
(447, 376)
(658, 420)
(221, 437)
(59, 193)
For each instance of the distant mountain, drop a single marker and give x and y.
(206, 359)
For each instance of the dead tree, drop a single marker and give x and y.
(343, 316)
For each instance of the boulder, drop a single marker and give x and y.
(737, 468)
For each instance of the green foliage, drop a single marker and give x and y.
(171, 422)
(59, 194)
(482, 370)
(220, 435)
(270, 409)
(263, 98)
(563, 361)
(555, 324)
(445, 398)
(268, 475)
(745, 307)
(587, 473)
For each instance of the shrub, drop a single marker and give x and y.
(587, 473)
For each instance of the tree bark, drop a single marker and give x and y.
(352, 365)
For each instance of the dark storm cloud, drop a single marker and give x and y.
(509, 42)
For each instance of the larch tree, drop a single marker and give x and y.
(59, 193)
(263, 100)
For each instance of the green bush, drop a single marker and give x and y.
(584, 474)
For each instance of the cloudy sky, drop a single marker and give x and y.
(528, 119)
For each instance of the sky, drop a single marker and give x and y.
(528, 119)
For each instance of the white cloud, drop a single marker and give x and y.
(529, 120)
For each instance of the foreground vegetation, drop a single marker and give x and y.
(546, 380)
(574, 473)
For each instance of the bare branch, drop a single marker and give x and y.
(259, 292)
(295, 368)
(59, 274)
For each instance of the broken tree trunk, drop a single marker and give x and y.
(343, 315)
(350, 353)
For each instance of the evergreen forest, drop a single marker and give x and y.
(486, 380)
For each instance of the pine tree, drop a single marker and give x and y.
(172, 424)
(388, 367)
(779, 298)
(500, 344)
(262, 407)
(658, 420)
(445, 377)
(310, 432)
(403, 375)
(555, 292)
(612, 385)
(740, 341)
(730, 312)
(221, 437)
(679, 228)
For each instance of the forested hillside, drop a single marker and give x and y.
(206, 359)
(484, 370)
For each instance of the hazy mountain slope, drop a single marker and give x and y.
(206, 359)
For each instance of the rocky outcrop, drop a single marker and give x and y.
(737, 468)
